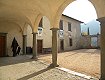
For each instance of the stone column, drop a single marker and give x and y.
(24, 43)
(34, 46)
(54, 47)
(102, 21)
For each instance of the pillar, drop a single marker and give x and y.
(24, 43)
(102, 23)
(34, 46)
(54, 47)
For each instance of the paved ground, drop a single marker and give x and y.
(86, 61)
(24, 68)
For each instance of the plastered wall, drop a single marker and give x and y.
(75, 34)
(46, 35)
(12, 30)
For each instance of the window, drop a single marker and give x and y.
(61, 24)
(69, 26)
(40, 23)
(70, 42)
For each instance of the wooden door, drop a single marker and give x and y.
(2, 46)
(39, 46)
(62, 44)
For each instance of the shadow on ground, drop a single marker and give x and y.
(35, 74)
(15, 60)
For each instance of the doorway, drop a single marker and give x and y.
(61, 44)
(39, 46)
(2, 45)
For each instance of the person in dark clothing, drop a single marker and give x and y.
(18, 50)
(14, 46)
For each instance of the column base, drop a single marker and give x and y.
(35, 58)
(53, 65)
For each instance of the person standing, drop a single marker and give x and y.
(14, 46)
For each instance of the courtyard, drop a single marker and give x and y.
(22, 67)
(86, 61)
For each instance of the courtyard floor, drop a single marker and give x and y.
(86, 61)
(24, 68)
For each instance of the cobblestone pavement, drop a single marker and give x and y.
(85, 61)
(24, 68)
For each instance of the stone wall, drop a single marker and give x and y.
(85, 41)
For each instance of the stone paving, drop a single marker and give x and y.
(24, 68)
(85, 61)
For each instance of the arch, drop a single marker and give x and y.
(58, 14)
(7, 21)
(36, 23)
(99, 6)
(61, 8)
(25, 28)
(19, 27)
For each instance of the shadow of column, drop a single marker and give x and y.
(35, 74)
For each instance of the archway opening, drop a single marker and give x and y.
(44, 36)
(81, 37)
(29, 39)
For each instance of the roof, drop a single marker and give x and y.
(72, 18)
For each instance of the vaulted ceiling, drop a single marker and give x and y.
(31, 11)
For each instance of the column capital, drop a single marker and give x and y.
(54, 29)
(24, 35)
(34, 33)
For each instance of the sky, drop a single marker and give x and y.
(82, 10)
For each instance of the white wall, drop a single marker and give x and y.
(12, 30)
(75, 33)
(29, 36)
(46, 34)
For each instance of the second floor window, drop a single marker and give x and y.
(61, 24)
(69, 26)
(41, 22)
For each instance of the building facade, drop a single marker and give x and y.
(69, 34)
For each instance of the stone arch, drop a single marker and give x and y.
(99, 6)
(26, 25)
(58, 14)
(36, 23)
(13, 22)
(57, 17)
